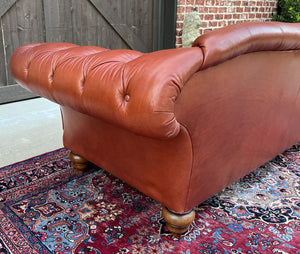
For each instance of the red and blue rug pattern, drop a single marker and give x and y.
(46, 207)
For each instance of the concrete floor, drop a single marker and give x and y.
(29, 128)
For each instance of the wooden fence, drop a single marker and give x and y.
(133, 24)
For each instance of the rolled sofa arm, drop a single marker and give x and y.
(231, 41)
(132, 90)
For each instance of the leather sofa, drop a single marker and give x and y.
(179, 124)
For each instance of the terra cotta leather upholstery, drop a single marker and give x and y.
(179, 124)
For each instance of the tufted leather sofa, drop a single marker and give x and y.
(179, 124)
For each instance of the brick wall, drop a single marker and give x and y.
(219, 13)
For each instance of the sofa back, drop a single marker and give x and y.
(231, 41)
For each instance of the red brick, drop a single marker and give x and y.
(245, 16)
(178, 41)
(189, 2)
(236, 16)
(222, 9)
(189, 9)
(180, 17)
(209, 17)
(219, 13)
(213, 10)
(179, 25)
(222, 23)
(219, 16)
(237, 3)
(203, 9)
(230, 22)
(262, 9)
(207, 31)
(180, 9)
(266, 15)
(220, 2)
(213, 23)
(239, 9)
(210, 2)
(199, 2)
(181, 2)
(201, 31)
(204, 24)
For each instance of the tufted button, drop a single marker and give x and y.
(127, 97)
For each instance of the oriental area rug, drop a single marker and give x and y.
(46, 207)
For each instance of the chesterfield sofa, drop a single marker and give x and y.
(180, 124)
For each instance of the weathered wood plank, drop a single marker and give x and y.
(144, 22)
(30, 21)
(122, 29)
(14, 93)
(86, 26)
(22, 24)
(58, 20)
(90, 28)
(109, 35)
(105, 23)
(138, 15)
(3, 74)
(5, 5)
(10, 39)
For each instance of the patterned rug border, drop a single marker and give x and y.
(33, 158)
(25, 166)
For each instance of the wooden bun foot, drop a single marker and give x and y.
(79, 163)
(178, 223)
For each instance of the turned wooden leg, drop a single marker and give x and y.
(178, 223)
(79, 163)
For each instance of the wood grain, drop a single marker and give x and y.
(113, 24)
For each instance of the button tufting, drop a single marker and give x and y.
(127, 97)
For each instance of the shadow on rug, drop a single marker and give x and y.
(45, 207)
